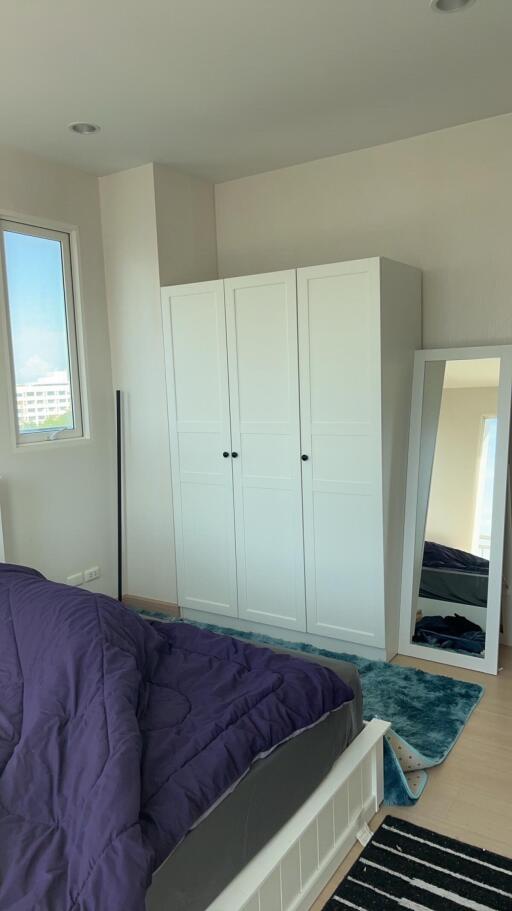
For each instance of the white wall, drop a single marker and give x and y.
(58, 501)
(441, 201)
(451, 510)
(158, 228)
(186, 233)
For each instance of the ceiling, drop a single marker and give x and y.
(475, 373)
(225, 88)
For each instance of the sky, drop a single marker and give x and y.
(36, 306)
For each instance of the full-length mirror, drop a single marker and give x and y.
(453, 553)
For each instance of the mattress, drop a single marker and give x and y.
(215, 851)
(455, 586)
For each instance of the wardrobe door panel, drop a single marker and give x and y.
(339, 355)
(261, 313)
(199, 424)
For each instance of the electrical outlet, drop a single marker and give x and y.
(91, 574)
(76, 579)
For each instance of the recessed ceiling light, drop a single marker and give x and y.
(84, 129)
(450, 6)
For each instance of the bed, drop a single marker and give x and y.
(261, 804)
(128, 746)
(453, 575)
(453, 582)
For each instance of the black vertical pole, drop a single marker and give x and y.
(119, 499)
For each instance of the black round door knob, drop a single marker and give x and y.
(304, 458)
(225, 454)
(235, 455)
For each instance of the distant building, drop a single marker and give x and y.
(46, 398)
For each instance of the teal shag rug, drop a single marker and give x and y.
(427, 711)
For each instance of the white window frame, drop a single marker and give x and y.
(46, 435)
(478, 482)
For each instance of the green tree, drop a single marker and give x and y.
(61, 421)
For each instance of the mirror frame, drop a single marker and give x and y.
(489, 663)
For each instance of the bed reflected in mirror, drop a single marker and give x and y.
(459, 424)
(456, 499)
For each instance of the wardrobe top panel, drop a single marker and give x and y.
(373, 262)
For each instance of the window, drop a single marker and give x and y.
(485, 487)
(37, 278)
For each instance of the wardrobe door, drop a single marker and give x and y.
(261, 313)
(198, 403)
(339, 355)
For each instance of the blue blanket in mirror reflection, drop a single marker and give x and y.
(439, 556)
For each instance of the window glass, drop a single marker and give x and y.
(42, 336)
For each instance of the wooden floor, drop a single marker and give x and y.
(469, 796)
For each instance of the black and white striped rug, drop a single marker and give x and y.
(407, 867)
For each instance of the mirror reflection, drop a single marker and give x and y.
(455, 493)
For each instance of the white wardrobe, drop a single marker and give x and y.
(288, 398)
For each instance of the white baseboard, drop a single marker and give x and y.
(149, 604)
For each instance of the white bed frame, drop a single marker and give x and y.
(291, 870)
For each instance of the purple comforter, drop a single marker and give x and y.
(117, 735)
